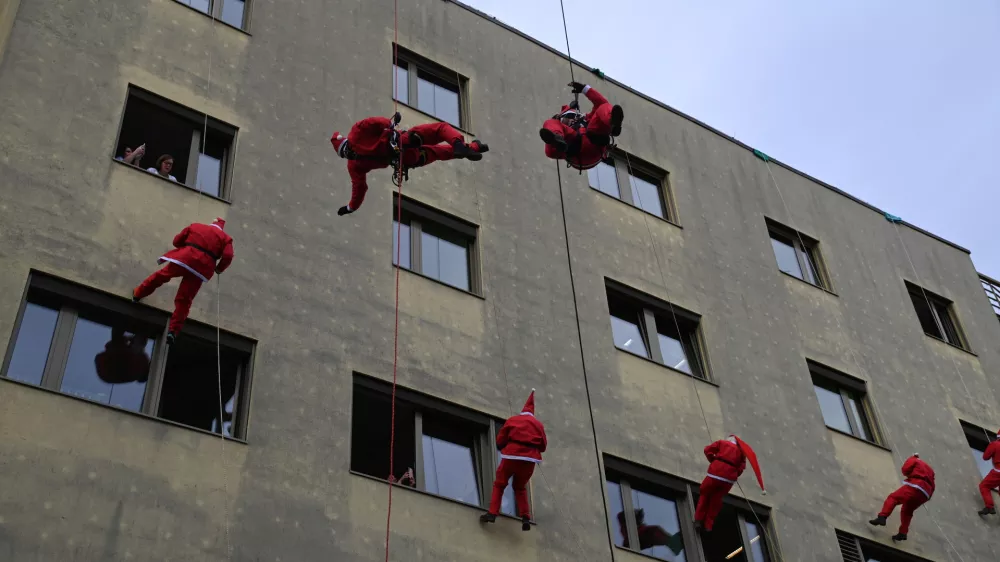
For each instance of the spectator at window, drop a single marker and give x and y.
(164, 164)
(132, 157)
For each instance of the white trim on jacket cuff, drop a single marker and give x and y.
(586, 88)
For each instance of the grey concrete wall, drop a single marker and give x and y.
(316, 291)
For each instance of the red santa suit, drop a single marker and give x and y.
(197, 248)
(521, 442)
(992, 480)
(588, 138)
(916, 490)
(367, 148)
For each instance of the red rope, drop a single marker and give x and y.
(399, 230)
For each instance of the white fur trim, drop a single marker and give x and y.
(513, 458)
(710, 475)
(526, 414)
(586, 88)
(184, 265)
(919, 488)
(216, 226)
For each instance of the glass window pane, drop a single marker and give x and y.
(209, 174)
(859, 420)
(446, 105)
(984, 466)
(658, 526)
(811, 273)
(107, 364)
(430, 261)
(617, 513)
(784, 251)
(924, 314)
(232, 12)
(31, 350)
(425, 95)
(604, 178)
(200, 5)
(757, 549)
(628, 337)
(401, 87)
(646, 196)
(674, 354)
(454, 264)
(404, 241)
(449, 470)
(833, 409)
(950, 333)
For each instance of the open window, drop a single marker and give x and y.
(199, 146)
(232, 12)
(936, 315)
(440, 448)
(436, 245)
(798, 255)
(430, 87)
(978, 439)
(105, 349)
(635, 182)
(844, 403)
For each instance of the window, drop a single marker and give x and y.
(797, 255)
(650, 513)
(430, 87)
(992, 288)
(854, 549)
(232, 12)
(677, 342)
(448, 450)
(436, 245)
(979, 439)
(201, 147)
(645, 188)
(104, 349)
(843, 401)
(935, 315)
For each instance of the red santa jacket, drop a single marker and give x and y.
(727, 461)
(992, 453)
(919, 475)
(198, 247)
(522, 438)
(370, 136)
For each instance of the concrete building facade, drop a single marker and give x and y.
(884, 345)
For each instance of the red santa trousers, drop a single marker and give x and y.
(991, 482)
(434, 133)
(185, 293)
(521, 471)
(710, 497)
(910, 498)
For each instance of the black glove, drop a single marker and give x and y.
(576, 87)
(396, 118)
(343, 211)
(574, 105)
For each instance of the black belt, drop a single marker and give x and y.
(197, 247)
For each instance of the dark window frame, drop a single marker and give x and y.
(631, 476)
(943, 313)
(71, 297)
(627, 165)
(203, 123)
(848, 388)
(486, 457)
(215, 13)
(417, 216)
(807, 253)
(420, 66)
(649, 308)
(852, 549)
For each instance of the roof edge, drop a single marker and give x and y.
(696, 121)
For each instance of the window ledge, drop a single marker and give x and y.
(820, 287)
(667, 367)
(852, 436)
(122, 410)
(637, 553)
(229, 25)
(949, 344)
(436, 496)
(170, 181)
(438, 119)
(641, 210)
(439, 282)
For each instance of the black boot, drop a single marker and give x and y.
(525, 523)
(135, 298)
(552, 139)
(479, 147)
(699, 526)
(617, 116)
(987, 511)
(463, 150)
(414, 140)
(899, 537)
(487, 518)
(878, 521)
(170, 338)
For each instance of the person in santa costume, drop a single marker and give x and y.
(368, 146)
(582, 140)
(521, 442)
(728, 459)
(916, 490)
(992, 479)
(124, 358)
(200, 250)
(650, 536)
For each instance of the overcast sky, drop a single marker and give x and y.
(894, 101)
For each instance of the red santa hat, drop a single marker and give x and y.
(339, 143)
(529, 404)
(751, 456)
(220, 222)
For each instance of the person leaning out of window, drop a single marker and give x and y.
(132, 157)
(164, 164)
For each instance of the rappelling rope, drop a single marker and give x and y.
(851, 350)
(772, 544)
(569, 54)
